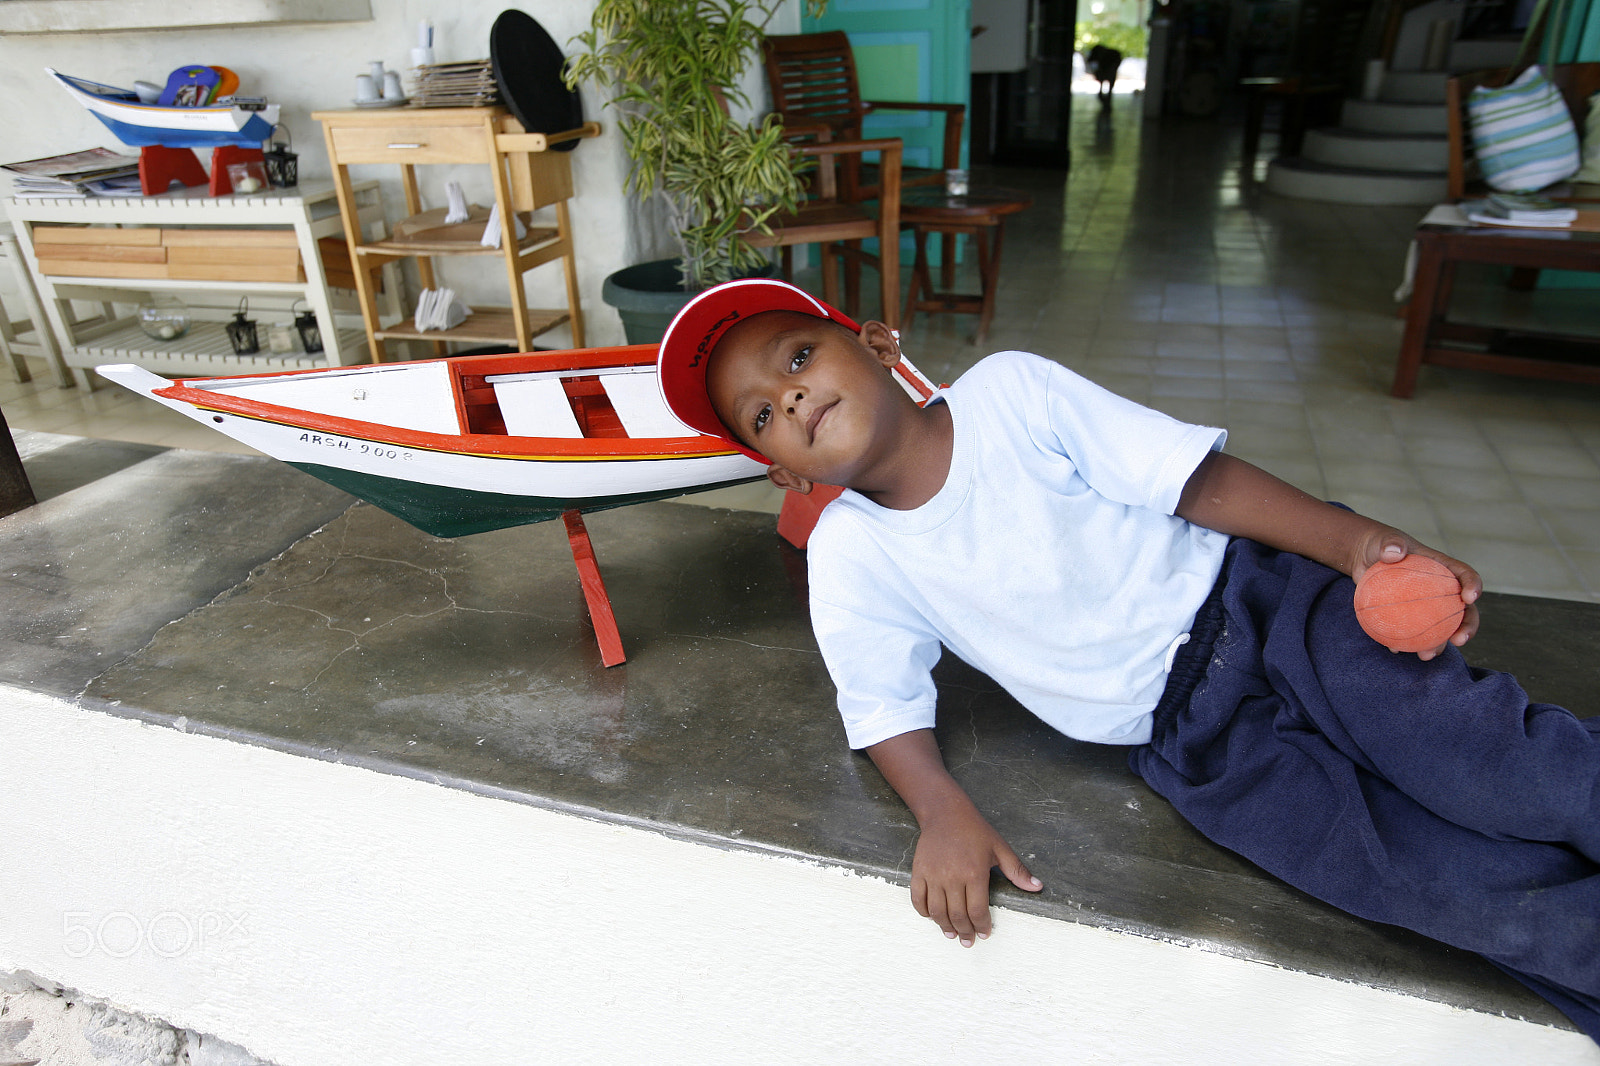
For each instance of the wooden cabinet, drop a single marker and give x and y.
(527, 175)
(209, 251)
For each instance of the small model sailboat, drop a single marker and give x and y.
(140, 124)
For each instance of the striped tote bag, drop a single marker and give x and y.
(1523, 134)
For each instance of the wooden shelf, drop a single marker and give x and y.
(421, 244)
(486, 325)
(526, 178)
(429, 234)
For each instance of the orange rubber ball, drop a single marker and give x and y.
(1411, 605)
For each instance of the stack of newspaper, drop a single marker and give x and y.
(1522, 209)
(468, 84)
(95, 172)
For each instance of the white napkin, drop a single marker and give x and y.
(458, 202)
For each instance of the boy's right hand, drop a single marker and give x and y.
(1389, 545)
(950, 870)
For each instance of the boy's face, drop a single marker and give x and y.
(808, 394)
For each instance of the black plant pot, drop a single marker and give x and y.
(648, 296)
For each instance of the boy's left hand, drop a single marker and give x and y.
(1392, 545)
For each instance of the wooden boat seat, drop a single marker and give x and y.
(620, 402)
(535, 407)
(638, 402)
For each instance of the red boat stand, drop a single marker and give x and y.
(594, 590)
(794, 525)
(800, 513)
(221, 156)
(160, 166)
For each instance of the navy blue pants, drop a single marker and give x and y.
(1428, 795)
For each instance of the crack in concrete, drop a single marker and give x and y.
(749, 644)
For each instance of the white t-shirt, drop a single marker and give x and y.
(1050, 560)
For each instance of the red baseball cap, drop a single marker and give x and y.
(687, 346)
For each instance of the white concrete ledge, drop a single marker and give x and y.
(326, 914)
(106, 16)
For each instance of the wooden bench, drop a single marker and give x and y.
(1430, 337)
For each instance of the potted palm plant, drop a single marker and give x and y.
(672, 69)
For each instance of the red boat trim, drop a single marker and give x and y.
(479, 444)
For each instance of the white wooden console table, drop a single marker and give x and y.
(270, 239)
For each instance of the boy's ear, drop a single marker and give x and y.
(787, 479)
(881, 339)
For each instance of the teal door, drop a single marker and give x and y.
(914, 50)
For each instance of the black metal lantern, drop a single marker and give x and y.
(310, 335)
(242, 331)
(283, 166)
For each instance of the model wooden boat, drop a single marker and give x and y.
(470, 443)
(141, 124)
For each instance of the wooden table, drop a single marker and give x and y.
(980, 214)
(1430, 337)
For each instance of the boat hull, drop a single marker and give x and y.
(254, 131)
(447, 485)
(452, 511)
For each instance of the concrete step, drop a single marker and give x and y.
(1305, 179)
(1413, 86)
(1410, 152)
(1381, 116)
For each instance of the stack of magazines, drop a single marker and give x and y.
(95, 172)
(1522, 209)
(468, 84)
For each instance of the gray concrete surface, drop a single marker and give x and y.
(233, 596)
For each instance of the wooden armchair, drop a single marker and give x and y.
(839, 223)
(812, 77)
(1577, 82)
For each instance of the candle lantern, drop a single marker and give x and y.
(242, 330)
(283, 166)
(310, 335)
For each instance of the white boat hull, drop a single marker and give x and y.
(450, 492)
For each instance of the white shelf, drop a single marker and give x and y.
(205, 349)
(311, 212)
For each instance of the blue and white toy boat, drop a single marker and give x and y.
(139, 124)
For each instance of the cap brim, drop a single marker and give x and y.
(693, 335)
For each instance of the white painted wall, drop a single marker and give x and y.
(308, 68)
(324, 914)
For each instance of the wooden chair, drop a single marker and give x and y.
(1577, 82)
(812, 77)
(839, 223)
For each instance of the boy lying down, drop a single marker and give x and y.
(1130, 583)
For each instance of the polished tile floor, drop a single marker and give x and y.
(1158, 270)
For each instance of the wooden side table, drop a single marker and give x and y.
(1430, 337)
(980, 214)
(526, 176)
